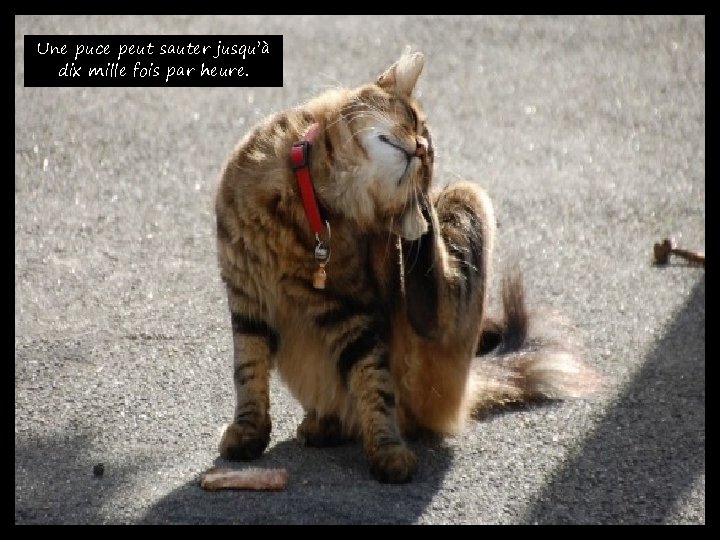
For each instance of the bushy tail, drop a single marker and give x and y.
(523, 359)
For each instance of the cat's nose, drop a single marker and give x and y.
(421, 146)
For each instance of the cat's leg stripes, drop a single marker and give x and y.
(253, 344)
(364, 365)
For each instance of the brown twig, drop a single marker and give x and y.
(663, 250)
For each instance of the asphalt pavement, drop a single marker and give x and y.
(589, 135)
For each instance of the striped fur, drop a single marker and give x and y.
(363, 358)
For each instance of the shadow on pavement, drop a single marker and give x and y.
(326, 486)
(61, 487)
(650, 448)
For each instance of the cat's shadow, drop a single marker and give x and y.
(326, 486)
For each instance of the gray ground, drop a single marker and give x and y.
(589, 134)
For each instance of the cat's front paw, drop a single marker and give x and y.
(394, 464)
(242, 442)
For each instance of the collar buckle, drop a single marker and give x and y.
(299, 154)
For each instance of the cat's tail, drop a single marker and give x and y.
(522, 358)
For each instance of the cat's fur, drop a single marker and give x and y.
(389, 347)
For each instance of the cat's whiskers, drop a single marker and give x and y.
(346, 117)
(415, 252)
(336, 84)
(389, 240)
(350, 117)
(358, 132)
(354, 131)
(367, 111)
(349, 114)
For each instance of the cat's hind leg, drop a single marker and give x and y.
(447, 269)
(446, 272)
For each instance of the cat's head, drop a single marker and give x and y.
(382, 153)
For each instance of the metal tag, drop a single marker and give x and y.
(322, 252)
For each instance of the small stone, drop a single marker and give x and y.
(98, 469)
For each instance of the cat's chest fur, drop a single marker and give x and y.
(275, 248)
(308, 320)
(278, 250)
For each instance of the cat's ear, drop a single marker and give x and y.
(402, 76)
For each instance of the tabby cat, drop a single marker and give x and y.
(385, 343)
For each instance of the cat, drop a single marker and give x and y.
(374, 319)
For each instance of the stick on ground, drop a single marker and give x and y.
(254, 478)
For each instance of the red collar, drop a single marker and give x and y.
(299, 158)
